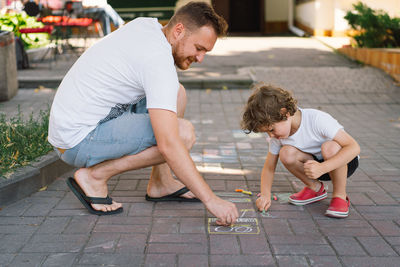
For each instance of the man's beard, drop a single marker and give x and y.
(181, 61)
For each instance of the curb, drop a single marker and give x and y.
(188, 83)
(28, 180)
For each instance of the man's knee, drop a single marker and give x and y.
(330, 149)
(187, 133)
(287, 155)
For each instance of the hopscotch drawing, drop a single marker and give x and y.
(242, 225)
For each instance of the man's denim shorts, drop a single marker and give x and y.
(128, 134)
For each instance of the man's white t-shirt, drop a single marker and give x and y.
(316, 128)
(132, 62)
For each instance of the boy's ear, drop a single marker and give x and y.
(284, 111)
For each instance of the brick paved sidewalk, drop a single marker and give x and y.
(51, 228)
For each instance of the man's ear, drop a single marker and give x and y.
(178, 31)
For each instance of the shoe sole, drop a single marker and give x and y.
(308, 201)
(336, 214)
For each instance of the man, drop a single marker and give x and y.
(99, 118)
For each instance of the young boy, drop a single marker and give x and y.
(310, 143)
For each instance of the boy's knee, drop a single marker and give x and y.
(330, 149)
(287, 155)
(187, 133)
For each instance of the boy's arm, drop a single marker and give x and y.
(267, 177)
(350, 149)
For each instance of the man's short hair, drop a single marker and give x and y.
(195, 15)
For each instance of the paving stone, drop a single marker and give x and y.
(276, 227)
(376, 246)
(371, 261)
(53, 225)
(324, 261)
(242, 260)
(55, 243)
(132, 228)
(254, 244)
(165, 225)
(6, 258)
(108, 259)
(347, 246)
(60, 259)
(102, 242)
(122, 220)
(160, 260)
(141, 209)
(193, 260)
(12, 243)
(192, 225)
(224, 244)
(132, 243)
(28, 259)
(289, 261)
(81, 224)
(386, 228)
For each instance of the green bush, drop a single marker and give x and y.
(22, 140)
(375, 27)
(12, 22)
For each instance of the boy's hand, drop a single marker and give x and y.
(313, 169)
(263, 203)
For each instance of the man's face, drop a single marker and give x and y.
(193, 46)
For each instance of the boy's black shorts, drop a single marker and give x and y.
(351, 167)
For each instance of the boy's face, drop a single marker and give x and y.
(278, 130)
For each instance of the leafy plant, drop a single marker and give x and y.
(14, 21)
(374, 28)
(22, 141)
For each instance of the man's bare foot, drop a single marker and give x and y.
(94, 188)
(166, 188)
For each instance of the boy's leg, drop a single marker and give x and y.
(294, 159)
(338, 176)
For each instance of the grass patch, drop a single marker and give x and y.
(22, 140)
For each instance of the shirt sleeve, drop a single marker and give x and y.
(274, 146)
(327, 126)
(160, 82)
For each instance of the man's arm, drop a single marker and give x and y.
(170, 145)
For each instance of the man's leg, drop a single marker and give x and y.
(161, 181)
(93, 180)
(294, 159)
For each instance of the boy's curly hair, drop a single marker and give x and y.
(264, 107)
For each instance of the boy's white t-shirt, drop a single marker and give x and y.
(316, 128)
(132, 62)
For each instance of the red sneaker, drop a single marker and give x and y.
(307, 196)
(339, 208)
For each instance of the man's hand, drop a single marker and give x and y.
(313, 169)
(225, 211)
(263, 203)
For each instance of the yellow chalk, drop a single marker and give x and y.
(247, 192)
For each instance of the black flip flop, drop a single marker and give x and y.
(86, 201)
(176, 196)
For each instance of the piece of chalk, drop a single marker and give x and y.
(239, 190)
(247, 192)
(263, 212)
(275, 197)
